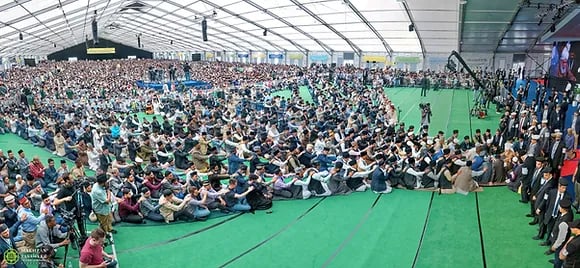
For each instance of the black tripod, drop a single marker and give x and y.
(77, 236)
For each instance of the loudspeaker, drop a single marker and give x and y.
(204, 30)
(171, 42)
(411, 27)
(139, 41)
(265, 32)
(95, 32)
(374, 62)
(20, 36)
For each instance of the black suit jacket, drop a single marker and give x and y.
(181, 160)
(535, 183)
(105, 162)
(541, 200)
(558, 155)
(551, 204)
(10, 217)
(529, 165)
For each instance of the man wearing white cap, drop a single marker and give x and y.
(512, 125)
(534, 148)
(556, 151)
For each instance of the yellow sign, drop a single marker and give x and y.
(370, 59)
(208, 55)
(295, 56)
(258, 55)
(101, 50)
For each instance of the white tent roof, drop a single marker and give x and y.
(238, 25)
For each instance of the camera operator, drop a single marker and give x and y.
(425, 114)
(46, 255)
(64, 197)
(49, 233)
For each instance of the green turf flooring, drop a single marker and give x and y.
(390, 236)
(343, 231)
(452, 234)
(449, 108)
(506, 233)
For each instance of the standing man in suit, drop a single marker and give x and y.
(534, 147)
(536, 183)
(527, 173)
(552, 207)
(105, 160)
(544, 137)
(547, 183)
(555, 118)
(424, 85)
(523, 123)
(556, 153)
(8, 250)
(561, 232)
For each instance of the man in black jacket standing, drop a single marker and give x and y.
(550, 207)
(105, 160)
(561, 232)
(547, 184)
(527, 173)
(536, 182)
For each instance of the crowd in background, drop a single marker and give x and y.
(173, 166)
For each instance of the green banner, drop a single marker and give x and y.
(408, 60)
(295, 56)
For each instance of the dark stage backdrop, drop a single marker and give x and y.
(80, 51)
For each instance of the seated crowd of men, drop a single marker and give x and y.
(276, 148)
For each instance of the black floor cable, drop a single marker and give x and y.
(480, 231)
(274, 235)
(352, 233)
(424, 230)
(180, 237)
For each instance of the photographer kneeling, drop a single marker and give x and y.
(49, 233)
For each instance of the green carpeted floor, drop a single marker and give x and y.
(359, 230)
(451, 233)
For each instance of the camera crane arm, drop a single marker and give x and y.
(460, 59)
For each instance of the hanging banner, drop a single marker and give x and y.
(407, 60)
(258, 55)
(275, 56)
(209, 55)
(382, 59)
(295, 56)
(320, 57)
(243, 55)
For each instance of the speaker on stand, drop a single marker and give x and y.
(204, 29)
